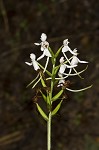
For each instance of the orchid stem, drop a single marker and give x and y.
(49, 132)
(50, 115)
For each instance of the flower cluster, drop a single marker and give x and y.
(65, 62)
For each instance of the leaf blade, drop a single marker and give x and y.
(58, 51)
(42, 113)
(57, 108)
(43, 82)
(57, 95)
(43, 95)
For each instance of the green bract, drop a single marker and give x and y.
(42, 112)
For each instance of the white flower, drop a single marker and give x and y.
(66, 48)
(64, 66)
(75, 60)
(33, 62)
(61, 72)
(44, 47)
(44, 44)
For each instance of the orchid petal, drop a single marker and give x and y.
(37, 44)
(41, 56)
(29, 64)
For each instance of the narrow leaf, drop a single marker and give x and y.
(52, 58)
(45, 70)
(48, 99)
(41, 112)
(51, 52)
(44, 97)
(59, 50)
(56, 69)
(57, 95)
(43, 82)
(57, 108)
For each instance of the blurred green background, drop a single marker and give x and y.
(76, 126)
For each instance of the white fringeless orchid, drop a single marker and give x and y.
(33, 62)
(74, 63)
(66, 48)
(61, 71)
(75, 60)
(63, 66)
(36, 67)
(44, 47)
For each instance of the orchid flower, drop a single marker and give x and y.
(44, 47)
(36, 67)
(62, 69)
(75, 60)
(66, 47)
(33, 62)
(63, 66)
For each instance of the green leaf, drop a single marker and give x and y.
(48, 99)
(59, 50)
(56, 69)
(44, 97)
(45, 70)
(51, 52)
(57, 95)
(57, 108)
(53, 56)
(42, 112)
(43, 82)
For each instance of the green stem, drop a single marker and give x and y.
(50, 115)
(49, 132)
